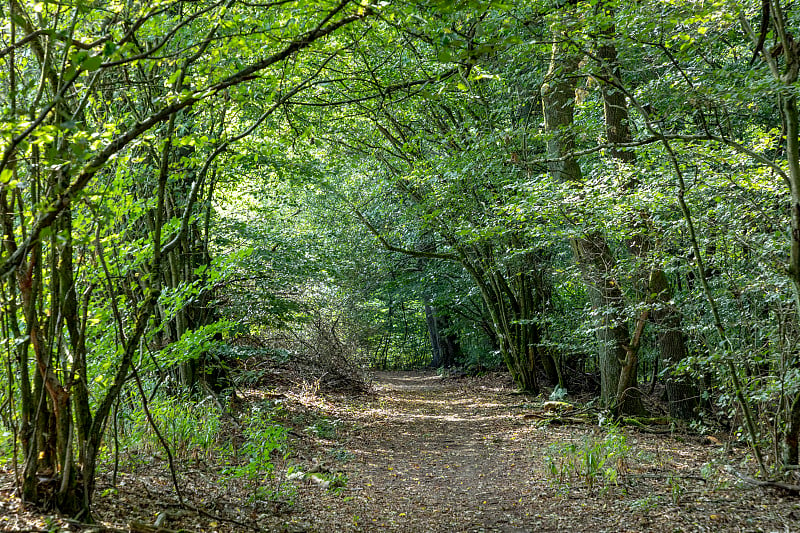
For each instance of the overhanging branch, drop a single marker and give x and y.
(49, 214)
(392, 248)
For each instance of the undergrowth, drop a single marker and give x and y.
(194, 429)
(265, 445)
(190, 428)
(598, 462)
(6, 446)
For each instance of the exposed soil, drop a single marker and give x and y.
(426, 453)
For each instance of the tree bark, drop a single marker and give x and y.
(433, 333)
(783, 60)
(591, 252)
(447, 346)
(682, 393)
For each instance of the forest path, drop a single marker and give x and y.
(438, 454)
(422, 453)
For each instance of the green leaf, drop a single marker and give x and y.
(109, 48)
(93, 63)
(173, 78)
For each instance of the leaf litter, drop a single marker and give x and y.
(422, 452)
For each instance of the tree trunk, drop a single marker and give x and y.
(792, 433)
(592, 252)
(791, 118)
(519, 355)
(448, 342)
(783, 59)
(433, 333)
(682, 393)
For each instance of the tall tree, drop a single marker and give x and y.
(59, 170)
(617, 350)
(682, 394)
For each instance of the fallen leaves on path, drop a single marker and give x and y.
(425, 453)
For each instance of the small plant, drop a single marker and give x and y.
(109, 492)
(51, 524)
(281, 492)
(708, 470)
(713, 475)
(265, 443)
(341, 455)
(324, 428)
(646, 456)
(338, 483)
(644, 505)
(332, 482)
(559, 393)
(675, 490)
(594, 461)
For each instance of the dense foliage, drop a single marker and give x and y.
(591, 193)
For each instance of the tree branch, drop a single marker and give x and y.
(97, 163)
(392, 248)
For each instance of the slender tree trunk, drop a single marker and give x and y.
(791, 118)
(790, 439)
(445, 346)
(433, 333)
(783, 60)
(682, 394)
(518, 356)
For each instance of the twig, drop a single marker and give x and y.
(759, 483)
(92, 527)
(140, 527)
(666, 476)
(203, 512)
(161, 439)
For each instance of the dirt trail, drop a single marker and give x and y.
(433, 454)
(428, 454)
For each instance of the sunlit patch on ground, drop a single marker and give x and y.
(431, 454)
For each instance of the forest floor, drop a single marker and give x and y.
(426, 453)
